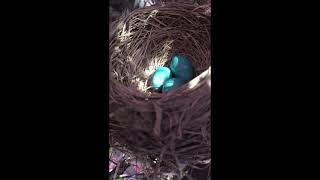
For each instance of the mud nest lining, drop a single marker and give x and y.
(172, 129)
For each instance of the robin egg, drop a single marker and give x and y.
(172, 84)
(161, 75)
(181, 68)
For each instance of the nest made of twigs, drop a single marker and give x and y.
(174, 128)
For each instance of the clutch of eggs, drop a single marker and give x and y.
(180, 72)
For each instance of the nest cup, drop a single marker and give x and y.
(166, 131)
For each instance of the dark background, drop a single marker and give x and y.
(55, 100)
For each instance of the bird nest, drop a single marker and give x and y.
(168, 131)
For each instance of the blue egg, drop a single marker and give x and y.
(181, 68)
(172, 84)
(160, 76)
